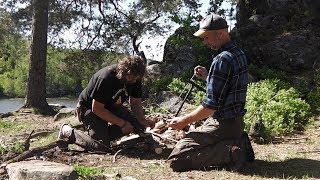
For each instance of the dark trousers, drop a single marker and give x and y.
(207, 145)
(101, 130)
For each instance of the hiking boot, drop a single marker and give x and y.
(65, 133)
(246, 145)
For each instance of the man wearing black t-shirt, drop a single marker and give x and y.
(101, 109)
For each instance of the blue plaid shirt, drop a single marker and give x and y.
(227, 83)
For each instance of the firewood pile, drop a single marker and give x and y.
(157, 139)
(162, 132)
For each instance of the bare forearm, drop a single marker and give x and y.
(138, 112)
(105, 114)
(198, 114)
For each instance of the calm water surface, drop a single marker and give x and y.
(13, 104)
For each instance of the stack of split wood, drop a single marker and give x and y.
(158, 138)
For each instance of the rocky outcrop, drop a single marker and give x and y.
(281, 34)
(183, 51)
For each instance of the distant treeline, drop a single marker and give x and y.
(68, 70)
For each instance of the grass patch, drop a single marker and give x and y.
(13, 128)
(87, 172)
(45, 140)
(16, 147)
(6, 124)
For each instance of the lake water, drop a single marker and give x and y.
(13, 104)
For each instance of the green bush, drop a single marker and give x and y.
(280, 108)
(181, 88)
(313, 98)
(160, 84)
(177, 86)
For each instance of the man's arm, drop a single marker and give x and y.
(136, 107)
(194, 116)
(106, 115)
(137, 110)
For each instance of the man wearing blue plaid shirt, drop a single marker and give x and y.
(225, 142)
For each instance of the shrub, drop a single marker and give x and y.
(280, 108)
(181, 88)
(160, 84)
(313, 98)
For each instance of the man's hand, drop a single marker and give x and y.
(201, 72)
(127, 128)
(178, 123)
(147, 123)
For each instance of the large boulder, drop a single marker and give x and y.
(36, 169)
(281, 34)
(183, 51)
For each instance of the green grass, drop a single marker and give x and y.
(13, 128)
(4, 125)
(45, 140)
(86, 172)
(16, 147)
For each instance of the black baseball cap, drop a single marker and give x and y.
(211, 22)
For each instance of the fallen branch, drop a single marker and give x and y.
(41, 134)
(34, 151)
(115, 156)
(26, 144)
(293, 139)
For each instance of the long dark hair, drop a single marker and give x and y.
(133, 65)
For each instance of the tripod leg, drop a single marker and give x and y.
(184, 100)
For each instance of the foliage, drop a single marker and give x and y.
(300, 85)
(280, 108)
(180, 87)
(108, 25)
(313, 98)
(13, 59)
(16, 147)
(4, 124)
(160, 84)
(177, 86)
(89, 172)
(67, 70)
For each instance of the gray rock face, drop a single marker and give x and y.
(293, 52)
(181, 54)
(36, 169)
(281, 34)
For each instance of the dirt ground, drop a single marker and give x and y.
(291, 157)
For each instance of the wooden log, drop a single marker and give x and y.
(136, 140)
(34, 151)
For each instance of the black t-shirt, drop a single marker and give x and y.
(106, 88)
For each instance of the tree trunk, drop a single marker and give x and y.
(36, 90)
